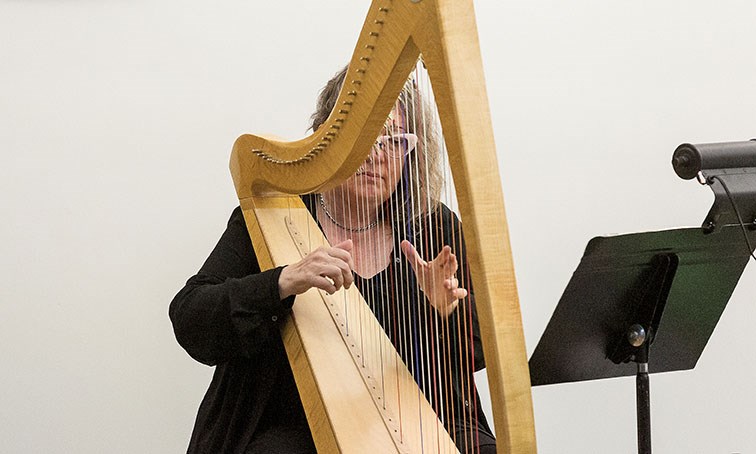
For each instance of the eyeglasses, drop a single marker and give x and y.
(397, 145)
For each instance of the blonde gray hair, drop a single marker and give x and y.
(425, 184)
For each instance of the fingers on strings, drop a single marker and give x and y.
(330, 268)
(441, 269)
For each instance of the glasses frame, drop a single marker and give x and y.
(396, 145)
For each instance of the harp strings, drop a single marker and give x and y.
(442, 332)
(453, 358)
(438, 351)
(439, 356)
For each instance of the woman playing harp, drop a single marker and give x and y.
(229, 314)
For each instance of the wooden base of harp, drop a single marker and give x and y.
(358, 394)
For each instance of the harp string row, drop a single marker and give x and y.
(438, 351)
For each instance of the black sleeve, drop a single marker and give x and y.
(229, 308)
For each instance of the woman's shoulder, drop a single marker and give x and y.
(444, 215)
(236, 214)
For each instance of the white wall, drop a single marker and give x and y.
(116, 122)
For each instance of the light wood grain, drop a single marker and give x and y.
(393, 36)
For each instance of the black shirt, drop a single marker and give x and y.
(228, 315)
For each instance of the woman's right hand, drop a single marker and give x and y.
(326, 268)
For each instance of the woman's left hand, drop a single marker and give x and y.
(437, 278)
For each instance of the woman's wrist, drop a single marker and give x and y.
(284, 283)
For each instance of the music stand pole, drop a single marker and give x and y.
(643, 402)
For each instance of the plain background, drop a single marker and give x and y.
(116, 124)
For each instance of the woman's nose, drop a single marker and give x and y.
(375, 152)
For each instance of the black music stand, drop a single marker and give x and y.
(651, 298)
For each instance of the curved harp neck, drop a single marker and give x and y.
(383, 58)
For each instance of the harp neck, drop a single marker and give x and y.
(383, 58)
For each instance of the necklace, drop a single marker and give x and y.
(343, 227)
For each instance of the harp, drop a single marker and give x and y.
(335, 386)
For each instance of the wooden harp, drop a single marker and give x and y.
(268, 174)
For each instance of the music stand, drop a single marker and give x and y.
(651, 298)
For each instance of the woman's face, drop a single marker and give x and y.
(377, 178)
